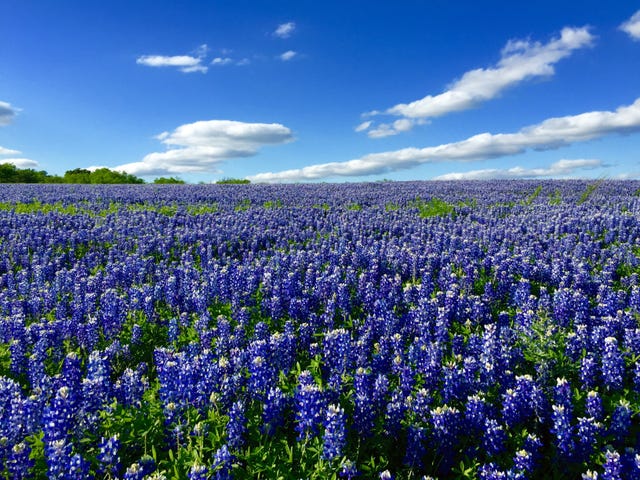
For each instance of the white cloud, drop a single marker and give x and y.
(8, 151)
(288, 55)
(632, 26)
(285, 30)
(185, 63)
(550, 134)
(20, 162)
(221, 61)
(560, 168)
(7, 112)
(202, 146)
(363, 126)
(520, 60)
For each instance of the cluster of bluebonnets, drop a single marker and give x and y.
(483, 330)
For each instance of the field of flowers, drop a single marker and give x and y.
(387, 330)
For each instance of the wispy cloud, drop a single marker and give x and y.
(520, 60)
(185, 63)
(285, 30)
(561, 168)
(8, 151)
(20, 162)
(550, 134)
(219, 61)
(222, 61)
(203, 146)
(7, 113)
(288, 55)
(632, 26)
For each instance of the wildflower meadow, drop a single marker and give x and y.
(390, 330)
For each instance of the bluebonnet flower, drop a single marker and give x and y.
(19, 462)
(494, 438)
(523, 462)
(236, 426)
(386, 475)
(416, 446)
(58, 418)
(491, 471)
(348, 470)
(261, 369)
(447, 423)
(222, 464)
(396, 409)
(612, 364)
(589, 375)
(136, 334)
(519, 404)
(198, 472)
(562, 430)
(612, 466)
(78, 468)
(134, 472)
(273, 410)
(364, 410)
(562, 393)
(109, 457)
(334, 439)
(476, 411)
(588, 432)
(594, 405)
(309, 405)
(620, 422)
(130, 387)
(58, 455)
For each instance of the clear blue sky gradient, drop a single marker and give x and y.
(72, 74)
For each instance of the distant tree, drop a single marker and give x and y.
(233, 181)
(99, 176)
(9, 173)
(77, 175)
(174, 180)
(104, 175)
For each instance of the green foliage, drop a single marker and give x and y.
(244, 205)
(532, 196)
(203, 209)
(555, 198)
(9, 173)
(269, 204)
(435, 207)
(356, 207)
(99, 176)
(588, 192)
(233, 181)
(169, 180)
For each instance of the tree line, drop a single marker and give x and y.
(9, 173)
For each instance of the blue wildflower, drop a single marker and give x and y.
(334, 439)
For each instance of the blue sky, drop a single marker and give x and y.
(289, 91)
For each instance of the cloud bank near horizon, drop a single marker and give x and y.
(550, 134)
(561, 168)
(201, 147)
(520, 60)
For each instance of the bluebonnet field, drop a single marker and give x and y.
(387, 330)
